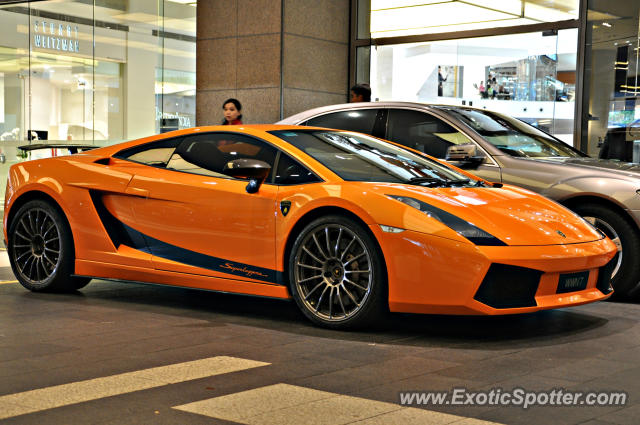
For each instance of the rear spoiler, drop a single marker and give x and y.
(72, 148)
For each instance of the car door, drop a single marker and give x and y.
(368, 120)
(199, 220)
(432, 135)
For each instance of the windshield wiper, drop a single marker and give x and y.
(431, 181)
(436, 182)
(451, 183)
(424, 179)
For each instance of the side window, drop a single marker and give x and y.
(362, 120)
(291, 171)
(207, 154)
(156, 154)
(423, 132)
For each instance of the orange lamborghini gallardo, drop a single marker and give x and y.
(345, 224)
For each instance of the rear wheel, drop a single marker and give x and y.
(626, 276)
(337, 275)
(40, 249)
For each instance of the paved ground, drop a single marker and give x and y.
(141, 354)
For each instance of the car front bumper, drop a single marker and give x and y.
(430, 274)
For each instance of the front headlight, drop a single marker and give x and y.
(463, 227)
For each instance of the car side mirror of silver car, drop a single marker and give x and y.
(252, 169)
(466, 155)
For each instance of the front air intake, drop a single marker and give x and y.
(604, 275)
(507, 286)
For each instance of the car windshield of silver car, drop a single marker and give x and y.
(513, 136)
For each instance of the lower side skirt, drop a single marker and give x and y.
(119, 272)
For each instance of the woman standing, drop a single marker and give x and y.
(232, 112)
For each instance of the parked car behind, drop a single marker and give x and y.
(500, 148)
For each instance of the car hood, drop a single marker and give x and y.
(514, 215)
(606, 165)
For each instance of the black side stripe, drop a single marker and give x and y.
(122, 234)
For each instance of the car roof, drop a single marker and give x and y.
(248, 129)
(366, 105)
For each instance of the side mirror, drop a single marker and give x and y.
(252, 169)
(466, 155)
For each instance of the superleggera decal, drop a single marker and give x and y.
(243, 269)
(181, 255)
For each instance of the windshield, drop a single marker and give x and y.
(356, 157)
(513, 136)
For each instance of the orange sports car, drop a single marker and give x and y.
(346, 224)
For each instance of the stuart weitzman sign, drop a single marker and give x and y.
(56, 36)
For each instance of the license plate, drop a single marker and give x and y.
(571, 282)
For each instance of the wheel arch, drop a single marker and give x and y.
(315, 213)
(573, 202)
(35, 195)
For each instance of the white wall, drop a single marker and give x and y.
(139, 83)
(1, 98)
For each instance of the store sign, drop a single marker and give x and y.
(56, 36)
(185, 122)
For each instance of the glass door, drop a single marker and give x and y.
(530, 76)
(611, 108)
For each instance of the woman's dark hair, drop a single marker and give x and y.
(364, 90)
(236, 103)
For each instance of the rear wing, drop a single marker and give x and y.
(73, 148)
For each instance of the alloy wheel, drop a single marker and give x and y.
(333, 272)
(36, 245)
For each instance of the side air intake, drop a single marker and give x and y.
(507, 286)
(604, 275)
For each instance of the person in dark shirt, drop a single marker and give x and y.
(360, 93)
(441, 80)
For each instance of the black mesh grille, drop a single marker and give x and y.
(509, 287)
(604, 275)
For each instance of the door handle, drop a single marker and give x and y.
(135, 191)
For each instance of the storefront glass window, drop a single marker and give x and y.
(94, 72)
(529, 76)
(611, 117)
(61, 81)
(390, 18)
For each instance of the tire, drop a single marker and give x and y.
(40, 249)
(327, 274)
(626, 275)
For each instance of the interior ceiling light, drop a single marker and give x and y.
(513, 7)
(432, 15)
(395, 4)
(594, 15)
(410, 17)
(546, 14)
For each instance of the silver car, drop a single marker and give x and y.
(503, 149)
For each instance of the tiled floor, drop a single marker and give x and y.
(284, 370)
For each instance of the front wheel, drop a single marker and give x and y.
(337, 274)
(40, 249)
(625, 278)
